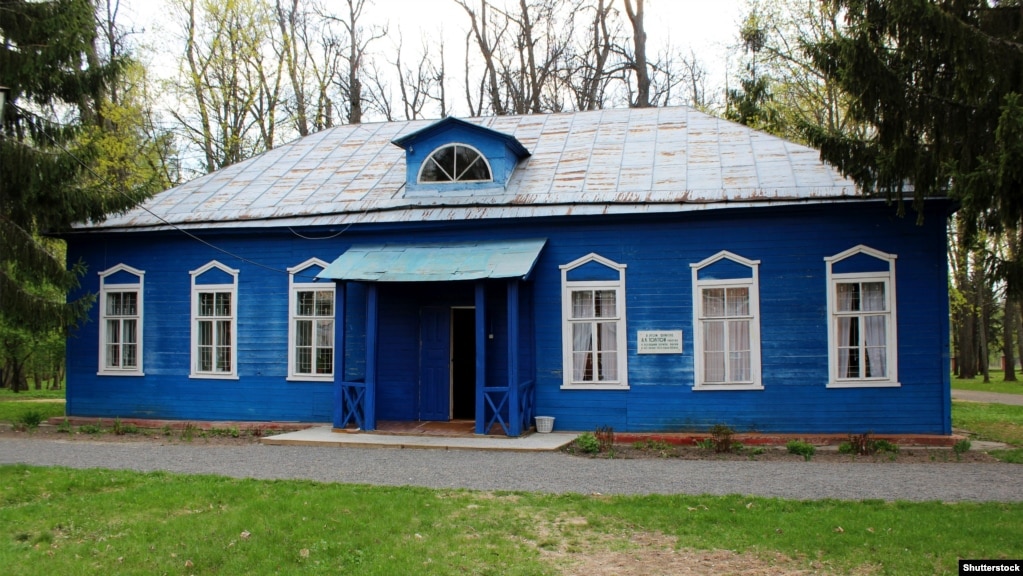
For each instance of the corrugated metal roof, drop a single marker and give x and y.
(436, 262)
(602, 162)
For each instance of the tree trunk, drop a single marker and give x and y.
(287, 20)
(16, 379)
(967, 363)
(1008, 350)
(639, 56)
(983, 318)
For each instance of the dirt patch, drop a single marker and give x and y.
(181, 435)
(905, 454)
(579, 552)
(232, 436)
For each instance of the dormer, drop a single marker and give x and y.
(458, 156)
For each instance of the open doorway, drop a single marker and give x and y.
(463, 363)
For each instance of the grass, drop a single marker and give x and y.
(997, 384)
(31, 394)
(65, 521)
(997, 422)
(17, 411)
(17, 406)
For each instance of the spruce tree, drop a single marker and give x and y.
(54, 105)
(939, 84)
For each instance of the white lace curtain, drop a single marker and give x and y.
(862, 297)
(594, 360)
(726, 338)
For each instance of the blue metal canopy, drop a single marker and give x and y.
(436, 262)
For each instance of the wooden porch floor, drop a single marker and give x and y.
(463, 428)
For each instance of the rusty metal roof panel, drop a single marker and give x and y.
(628, 161)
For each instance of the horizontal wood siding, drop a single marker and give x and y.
(790, 243)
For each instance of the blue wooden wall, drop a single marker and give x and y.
(790, 243)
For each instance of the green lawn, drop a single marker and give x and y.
(63, 521)
(6, 394)
(997, 422)
(16, 411)
(997, 383)
(14, 406)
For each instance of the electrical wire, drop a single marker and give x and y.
(164, 220)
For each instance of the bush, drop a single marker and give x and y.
(606, 438)
(90, 429)
(30, 420)
(804, 449)
(120, 428)
(885, 447)
(723, 442)
(588, 443)
(961, 446)
(864, 445)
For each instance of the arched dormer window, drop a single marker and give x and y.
(456, 163)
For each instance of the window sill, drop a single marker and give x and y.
(865, 384)
(121, 373)
(202, 376)
(725, 387)
(594, 386)
(314, 379)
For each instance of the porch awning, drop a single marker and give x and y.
(436, 262)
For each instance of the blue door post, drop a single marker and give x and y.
(514, 407)
(481, 356)
(372, 344)
(339, 352)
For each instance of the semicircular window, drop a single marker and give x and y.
(455, 163)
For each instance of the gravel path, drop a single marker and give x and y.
(541, 472)
(988, 397)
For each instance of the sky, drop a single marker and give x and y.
(707, 27)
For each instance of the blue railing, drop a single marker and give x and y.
(352, 405)
(496, 408)
(527, 403)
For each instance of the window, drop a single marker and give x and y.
(120, 324)
(214, 316)
(593, 324)
(862, 348)
(311, 325)
(455, 163)
(726, 305)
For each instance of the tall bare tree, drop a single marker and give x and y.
(422, 81)
(487, 41)
(228, 85)
(639, 61)
(353, 47)
(589, 70)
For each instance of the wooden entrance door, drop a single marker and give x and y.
(435, 363)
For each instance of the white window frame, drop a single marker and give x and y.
(482, 157)
(567, 289)
(294, 288)
(891, 325)
(105, 289)
(197, 290)
(752, 284)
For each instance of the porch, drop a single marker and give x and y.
(455, 438)
(459, 339)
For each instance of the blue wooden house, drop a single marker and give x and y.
(644, 269)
